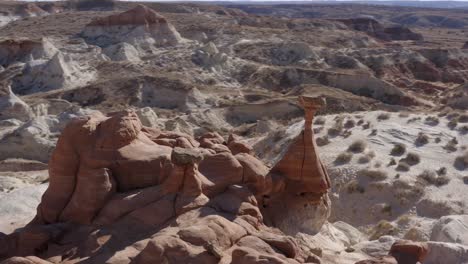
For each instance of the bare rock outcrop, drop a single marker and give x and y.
(121, 192)
(11, 106)
(375, 29)
(141, 27)
(24, 50)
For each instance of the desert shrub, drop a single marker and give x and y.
(367, 157)
(357, 146)
(336, 129)
(360, 122)
(452, 124)
(412, 120)
(354, 186)
(376, 175)
(442, 171)
(404, 219)
(373, 132)
(347, 133)
(403, 166)
(422, 139)
(437, 140)
(430, 177)
(377, 164)
(451, 146)
(392, 162)
(452, 116)
(412, 159)
(383, 116)
(432, 120)
(465, 179)
(461, 162)
(350, 123)
(319, 121)
(463, 118)
(383, 228)
(366, 125)
(398, 149)
(322, 141)
(386, 209)
(464, 129)
(344, 158)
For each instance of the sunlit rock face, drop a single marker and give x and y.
(166, 197)
(140, 27)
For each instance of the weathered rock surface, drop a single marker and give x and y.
(141, 27)
(160, 196)
(452, 229)
(11, 106)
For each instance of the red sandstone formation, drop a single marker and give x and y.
(300, 182)
(136, 26)
(402, 252)
(140, 15)
(123, 193)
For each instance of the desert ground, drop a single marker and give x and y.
(233, 133)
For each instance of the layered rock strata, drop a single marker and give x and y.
(120, 192)
(141, 27)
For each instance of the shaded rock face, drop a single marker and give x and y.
(22, 50)
(141, 27)
(375, 29)
(11, 106)
(121, 192)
